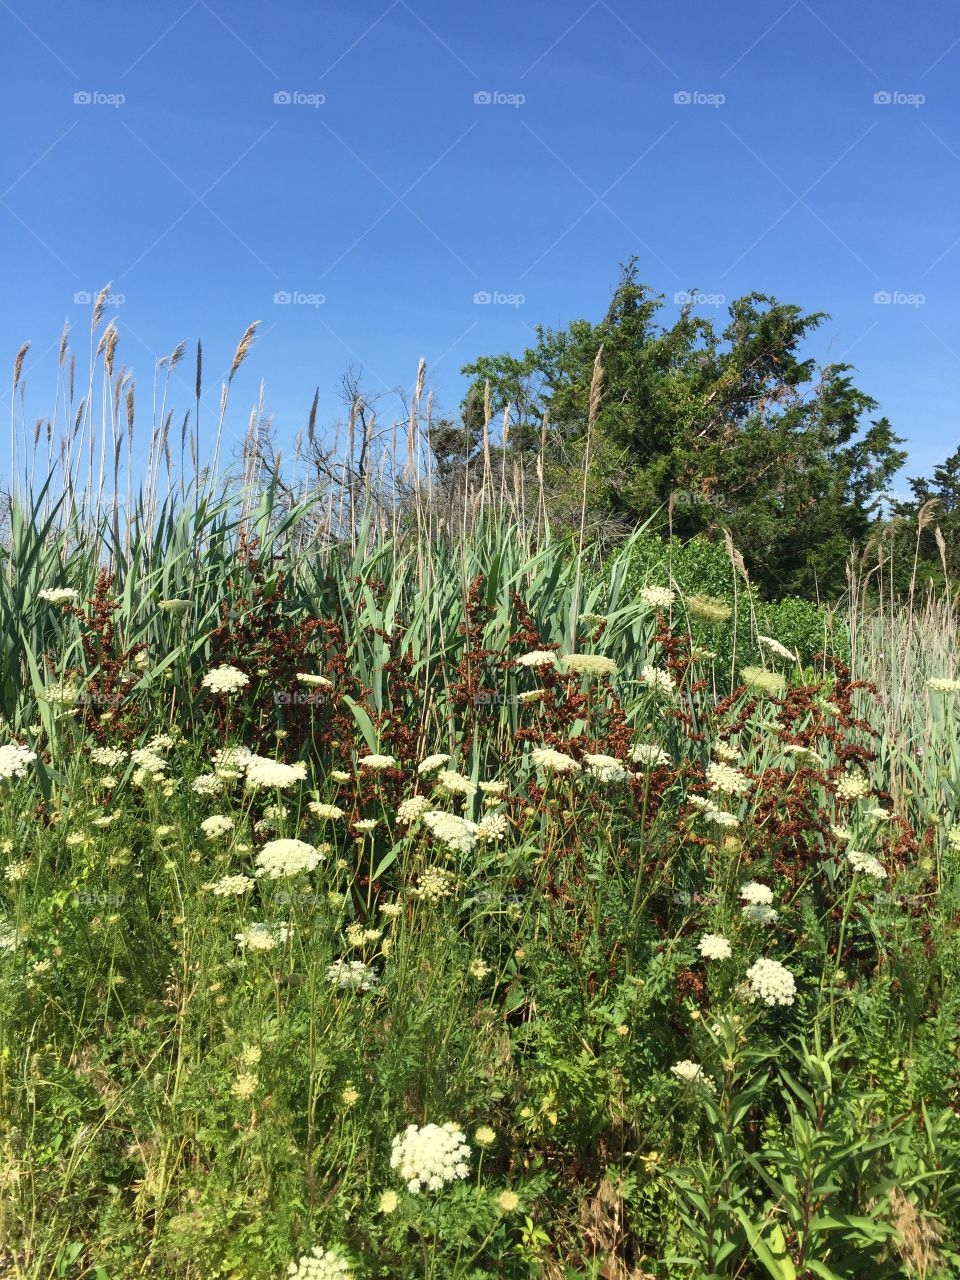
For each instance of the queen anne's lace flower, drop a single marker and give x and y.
(313, 681)
(351, 975)
(727, 780)
(649, 755)
(942, 684)
(713, 946)
(262, 937)
(537, 658)
(776, 647)
(434, 883)
(428, 1157)
(322, 1264)
(286, 858)
(759, 913)
(658, 679)
(588, 664)
(551, 761)
(217, 825)
(230, 886)
(806, 754)
(708, 608)
(58, 595)
(455, 783)
(330, 812)
(458, 834)
(605, 768)
(263, 772)
(866, 865)
(771, 682)
(493, 826)
(108, 756)
(433, 762)
(657, 597)
(376, 762)
(771, 982)
(755, 892)
(15, 760)
(225, 679)
(412, 810)
(692, 1073)
(853, 786)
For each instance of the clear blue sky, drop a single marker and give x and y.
(400, 197)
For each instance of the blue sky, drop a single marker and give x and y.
(207, 157)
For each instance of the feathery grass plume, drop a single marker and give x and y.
(64, 339)
(942, 548)
(312, 419)
(98, 305)
(18, 364)
(243, 348)
(596, 390)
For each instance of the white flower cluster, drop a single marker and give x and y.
(866, 865)
(659, 680)
(57, 595)
(551, 761)
(771, 982)
(712, 814)
(108, 756)
(724, 751)
(230, 762)
(217, 825)
(263, 772)
(605, 768)
(432, 762)
(229, 886)
(759, 913)
(537, 658)
(9, 936)
(493, 826)
(853, 786)
(428, 1157)
(14, 760)
(588, 664)
(207, 784)
(322, 1264)
(943, 684)
(802, 753)
(713, 946)
(649, 755)
(692, 1073)
(455, 783)
(754, 892)
(657, 597)
(727, 780)
(329, 812)
(779, 649)
(434, 883)
(458, 834)
(262, 937)
(286, 858)
(314, 682)
(351, 975)
(225, 679)
(412, 810)
(377, 762)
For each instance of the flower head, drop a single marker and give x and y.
(428, 1157)
(377, 762)
(550, 761)
(58, 595)
(657, 597)
(770, 982)
(588, 664)
(537, 658)
(866, 865)
(714, 947)
(286, 858)
(15, 760)
(225, 679)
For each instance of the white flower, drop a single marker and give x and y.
(692, 1073)
(605, 768)
(779, 649)
(942, 684)
(432, 762)
(351, 975)
(262, 937)
(493, 826)
(57, 595)
(802, 753)
(551, 761)
(230, 762)
(173, 606)
(365, 825)
(724, 751)
(770, 982)
(225, 679)
(434, 883)
(754, 892)
(316, 682)
(537, 658)
(879, 814)
(659, 680)
(412, 809)
(493, 788)
(229, 886)
(206, 784)
(853, 786)
(429, 1157)
(727, 780)
(330, 812)
(588, 664)
(262, 772)
(108, 756)
(322, 1264)
(286, 858)
(649, 755)
(458, 834)
(657, 597)
(759, 913)
(866, 865)
(714, 947)
(455, 783)
(377, 762)
(14, 760)
(217, 825)
(9, 936)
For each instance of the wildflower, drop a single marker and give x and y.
(330, 812)
(802, 753)
(767, 681)
(853, 786)
(391, 909)
(458, 834)
(588, 664)
(455, 783)
(365, 825)
(173, 606)
(942, 684)
(432, 762)
(250, 1055)
(217, 825)
(225, 679)
(692, 1073)
(649, 755)
(377, 762)
(592, 619)
(478, 969)
(262, 772)
(537, 658)
(842, 833)
(727, 780)
(109, 756)
(286, 858)
(779, 649)
(261, 937)
(322, 1264)
(412, 810)
(206, 784)
(714, 947)
(58, 595)
(434, 883)
(16, 871)
(485, 1136)
(426, 1158)
(605, 768)
(351, 975)
(9, 936)
(879, 814)
(657, 597)
(314, 682)
(551, 761)
(14, 760)
(493, 826)
(866, 865)
(245, 1086)
(492, 788)
(755, 892)
(708, 608)
(759, 913)
(388, 1202)
(339, 775)
(771, 982)
(531, 695)
(350, 1096)
(660, 681)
